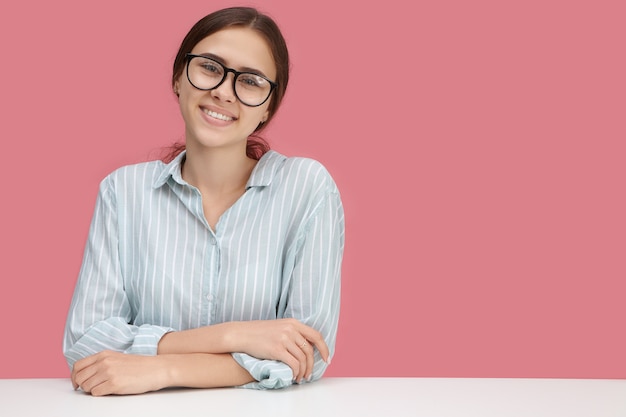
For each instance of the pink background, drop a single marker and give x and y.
(479, 147)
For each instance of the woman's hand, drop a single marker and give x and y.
(285, 340)
(118, 373)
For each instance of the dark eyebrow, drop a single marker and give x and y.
(240, 69)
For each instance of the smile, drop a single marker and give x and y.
(218, 116)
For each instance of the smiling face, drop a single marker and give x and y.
(216, 118)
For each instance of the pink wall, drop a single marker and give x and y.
(479, 148)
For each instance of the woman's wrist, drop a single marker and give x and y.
(231, 336)
(168, 375)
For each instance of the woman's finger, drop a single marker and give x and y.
(315, 338)
(93, 381)
(310, 361)
(85, 362)
(295, 349)
(82, 376)
(291, 361)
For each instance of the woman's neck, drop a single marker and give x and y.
(217, 171)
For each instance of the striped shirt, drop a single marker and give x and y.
(152, 264)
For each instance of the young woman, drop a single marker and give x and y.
(219, 266)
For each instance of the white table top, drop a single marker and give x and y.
(330, 397)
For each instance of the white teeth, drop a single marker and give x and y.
(218, 115)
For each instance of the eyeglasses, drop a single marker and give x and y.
(207, 74)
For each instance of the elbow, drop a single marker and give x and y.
(69, 354)
(69, 358)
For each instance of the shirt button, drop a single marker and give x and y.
(209, 297)
(212, 241)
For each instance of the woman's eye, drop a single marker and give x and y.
(211, 67)
(252, 80)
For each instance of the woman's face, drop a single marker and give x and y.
(216, 118)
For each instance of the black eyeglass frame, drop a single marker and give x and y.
(236, 75)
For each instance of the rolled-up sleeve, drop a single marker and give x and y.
(100, 311)
(311, 292)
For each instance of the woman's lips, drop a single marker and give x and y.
(217, 117)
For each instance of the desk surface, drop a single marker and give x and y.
(431, 397)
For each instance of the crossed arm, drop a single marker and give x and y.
(200, 358)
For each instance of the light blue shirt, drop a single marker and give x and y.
(153, 265)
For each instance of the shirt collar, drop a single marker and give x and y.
(265, 170)
(171, 170)
(262, 174)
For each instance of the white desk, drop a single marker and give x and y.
(330, 397)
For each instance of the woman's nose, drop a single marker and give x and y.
(225, 91)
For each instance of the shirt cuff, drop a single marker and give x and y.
(147, 340)
(269, 374)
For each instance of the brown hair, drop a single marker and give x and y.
(266, 27)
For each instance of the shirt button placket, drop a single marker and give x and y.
(214, 268)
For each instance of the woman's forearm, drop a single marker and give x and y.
(209, 339)
(111, 372)
(202, 370)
